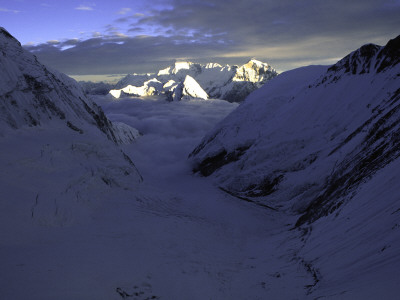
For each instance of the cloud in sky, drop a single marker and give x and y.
(115, 54)
(285, 33)
(124, 11)
(6, 10)
(84, 7)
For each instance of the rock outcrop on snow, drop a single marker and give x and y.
(232, 83)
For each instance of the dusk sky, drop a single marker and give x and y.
(122, 36)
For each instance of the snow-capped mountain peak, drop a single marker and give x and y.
(254, 71)
(192, 89)
(367, 59)
(212, 66)
(183, 65)
(5, 35)
(389, 56)
(221, 82)
(358, 62)
(180, 68)
(166, 71)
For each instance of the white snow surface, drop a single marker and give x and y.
(175, 235)
(292, 126)
(191, 89)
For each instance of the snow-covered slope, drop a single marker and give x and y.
(222, 82)
(316, 121)
(57, 145)
(187, 89)
(149, 88)
(34, 95)
(323, 143)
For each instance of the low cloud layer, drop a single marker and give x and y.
(285, 33)
(174, 128)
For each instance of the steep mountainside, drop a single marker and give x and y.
(48, 124)
(322, 143)
(323, 123)
(33, 95)
(219, 82)
(187, 89)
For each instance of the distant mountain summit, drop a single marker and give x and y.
(232, 83)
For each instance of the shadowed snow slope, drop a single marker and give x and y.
(323, 143)
(58, 147)
(309, 131)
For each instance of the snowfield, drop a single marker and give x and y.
(175, 236)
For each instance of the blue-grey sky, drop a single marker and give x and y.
(125, 36)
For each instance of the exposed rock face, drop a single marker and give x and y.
(220, 82)
(368, 59)
(308, 139)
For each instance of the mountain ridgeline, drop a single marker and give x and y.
(187, 80)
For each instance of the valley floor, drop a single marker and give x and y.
(193, 240)
(177, 237)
